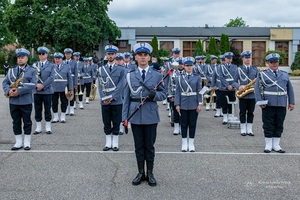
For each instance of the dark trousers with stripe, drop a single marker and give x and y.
(273, 119)
(188, 121)
(112, 117)
(40, 101)
(88, 90)
(21, 113)
(247, 107)
(63, 101)
(175, 114)
(144, 139)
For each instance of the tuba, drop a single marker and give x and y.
(249, 88)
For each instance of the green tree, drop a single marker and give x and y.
(237, 22)
(154, 44)
(198, 49)
(5, 36)
(212, 46)
(296, 63)
(77, 24)
(224, 44)
(237, 60)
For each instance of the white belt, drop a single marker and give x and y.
(109, 89)
(188, 93)
(275, 93)
(60, 80)
(229, 79)
(85, 77)
(72, 75)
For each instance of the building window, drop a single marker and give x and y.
(283, 46)
(238, 45)
(122, 44)
(188, 48)
(166, 45)
(258, 53)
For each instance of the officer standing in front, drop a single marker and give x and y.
(273, 93)
(43, 92)
(111, 85)
(18, 86)
(141, 84)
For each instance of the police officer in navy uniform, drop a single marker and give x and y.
(209, 74)
(18, 85)
(188, 103)
(216, 84)
(79, 63)
(43, 92)
(74, 72)
(274, 94)
(111, 86)
(245, 75)
(128, 61)
(62, 80)
(227, 73)
(141, 83)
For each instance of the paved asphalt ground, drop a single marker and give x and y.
(70, 163)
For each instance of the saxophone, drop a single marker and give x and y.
(15, 85)
(249, 88)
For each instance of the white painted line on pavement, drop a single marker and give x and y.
(159, 152)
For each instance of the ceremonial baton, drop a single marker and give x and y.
(125, 124)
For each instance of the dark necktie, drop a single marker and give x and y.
(67, 62)
(42, 65)
(248, 69)
(275, 72)
(188, 76)
(58, 67)
(110, 67)
(144, 74)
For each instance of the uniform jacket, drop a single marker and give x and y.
(148, 113)
(87, 74)
(188, 102)
(225, 78)
(65, 74)
(241, 79)
(74, 70)
(263, 83)
(47, 75)
(215, 79)
(26, 90)
(209, 73)
(200, 69)
(117, 77)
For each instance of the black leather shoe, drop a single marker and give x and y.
(139, 178)
(243, 134)
(279, 151)
(71, 114)
(250, 134)
(106, 148)
(224, 123)
(115, 149)
(48, 132)
(37, 132)
(62, 121)
(54, 121)
(150, 178)
(267, 151)
(121, 133)
(16, 148)
(27, 148)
